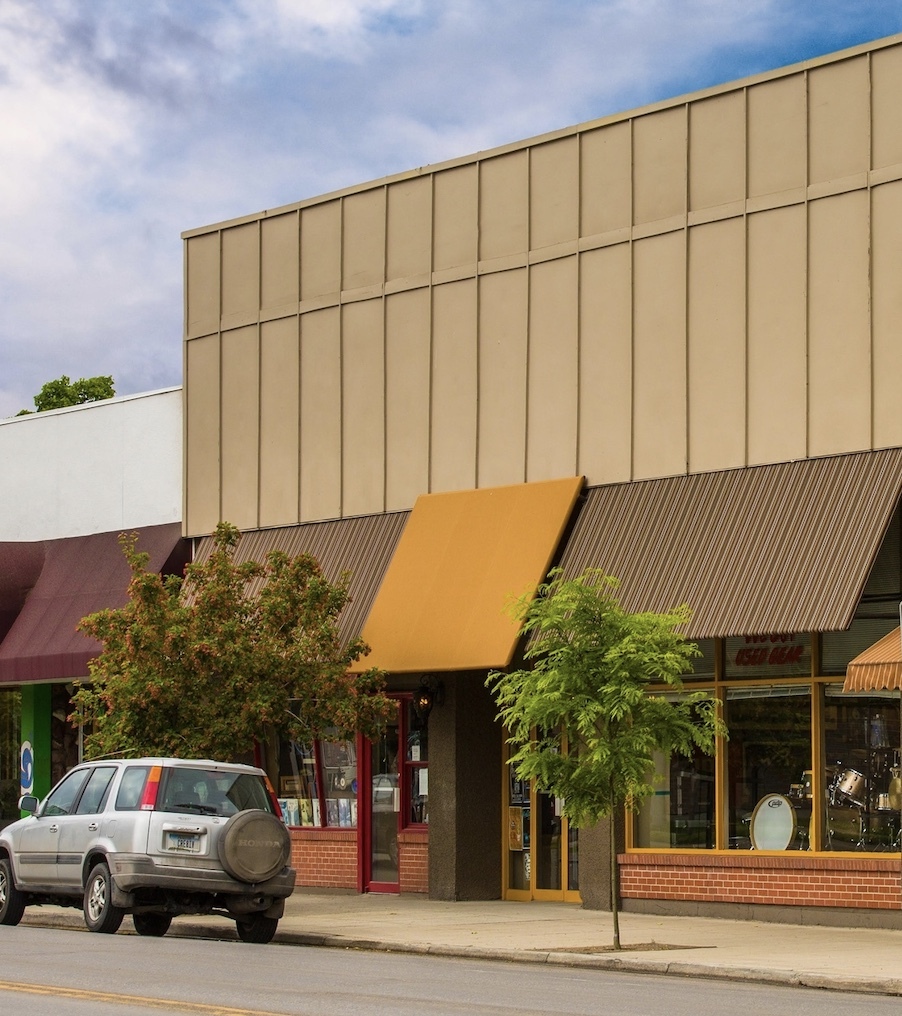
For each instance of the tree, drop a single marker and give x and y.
(588, 691)
(202, 667)
(62, 392)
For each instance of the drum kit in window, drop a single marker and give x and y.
(863, 809)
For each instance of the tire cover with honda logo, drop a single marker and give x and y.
(254, 846)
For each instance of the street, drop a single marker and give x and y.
(75, 973)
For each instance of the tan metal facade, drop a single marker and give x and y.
(705, 284)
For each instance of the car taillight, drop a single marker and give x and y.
(276, 807)
(151, 788)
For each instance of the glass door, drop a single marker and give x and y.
(382, 872)
(541, 850)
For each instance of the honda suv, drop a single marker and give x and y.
(154, 838)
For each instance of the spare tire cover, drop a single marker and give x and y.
(254, 846)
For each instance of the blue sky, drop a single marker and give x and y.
(125, 122)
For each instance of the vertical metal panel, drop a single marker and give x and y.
(202, 434)
(659, 165)
(409, 229)
(240, 427)
(407, 370)
(504, 205)
(502, 378)
(717, 151)
(363, 239)
(321, 250)
(553, 375)
(320, 465)
(886, 311)
(777, 136)
(778, 548)
(554, 193)
(605, 390)
(454, 387)
(659, 351)
(717, 346)
(456, 218)
(839, 355)
(240, 274)
(279, 420)
(606, 176)
(777, 335)
(839, 120)
(886, 110)
(280, 262)
(202, 284)
(363, 408)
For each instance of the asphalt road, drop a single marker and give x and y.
(74, 973)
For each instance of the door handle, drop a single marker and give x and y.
(54, 828)
(93, 827)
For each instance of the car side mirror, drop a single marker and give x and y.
(29, 803)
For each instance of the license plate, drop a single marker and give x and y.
(184, 843)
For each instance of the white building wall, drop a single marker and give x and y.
(96, 468)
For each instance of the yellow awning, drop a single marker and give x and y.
(879, 667)
(462, 559)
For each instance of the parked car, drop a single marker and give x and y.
(154, 838)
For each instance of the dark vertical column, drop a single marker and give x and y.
(465, 769)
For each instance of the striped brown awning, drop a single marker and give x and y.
(766, 549)
(879, 667)
(362, 547)
(78, 576)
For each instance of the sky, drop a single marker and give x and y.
(124, 123)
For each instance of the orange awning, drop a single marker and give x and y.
(462, 559)
(878, 668)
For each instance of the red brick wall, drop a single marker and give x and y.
(798, 880)
(327, 858)
(413, 858)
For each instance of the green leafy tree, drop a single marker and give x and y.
(62, 392)
(203, 666)
(588, 690)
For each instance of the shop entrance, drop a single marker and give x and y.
(541, 851)
(396, 794)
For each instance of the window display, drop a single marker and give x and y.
(318, 785)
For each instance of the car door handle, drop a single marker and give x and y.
(54, 828)
(93, 827)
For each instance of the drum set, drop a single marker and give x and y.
(863, 809)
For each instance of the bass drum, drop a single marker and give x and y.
(773, 825)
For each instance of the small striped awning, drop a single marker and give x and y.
(462, 561)
(879, 667)
(764, 549)
(360, 547)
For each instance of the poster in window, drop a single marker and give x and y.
(514, 828)
(305, 808)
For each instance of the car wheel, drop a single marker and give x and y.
(254, 846)
(257, 929)
(12, 902)
(100, 914)
(152, 925)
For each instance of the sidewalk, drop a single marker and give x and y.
(843, 959)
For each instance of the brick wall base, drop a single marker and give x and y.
(327, 858)
(856, 881)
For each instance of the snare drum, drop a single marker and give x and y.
(773, 825)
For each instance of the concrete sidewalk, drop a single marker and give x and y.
(843, 959)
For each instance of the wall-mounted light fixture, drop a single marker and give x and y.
(430, 693)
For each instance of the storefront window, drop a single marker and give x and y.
(863, 782)
(318, 785)
(681, 811)
(416, 766)
(769, 767)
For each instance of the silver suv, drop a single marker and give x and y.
(154, 838)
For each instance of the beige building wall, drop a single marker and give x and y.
(708, 283)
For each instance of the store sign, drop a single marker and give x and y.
(26, 767)
(778, 655)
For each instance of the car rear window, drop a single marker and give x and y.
(131, 788)
(212, 792)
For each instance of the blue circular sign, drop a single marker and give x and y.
(26, 767)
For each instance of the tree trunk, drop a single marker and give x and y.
(615, 879)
